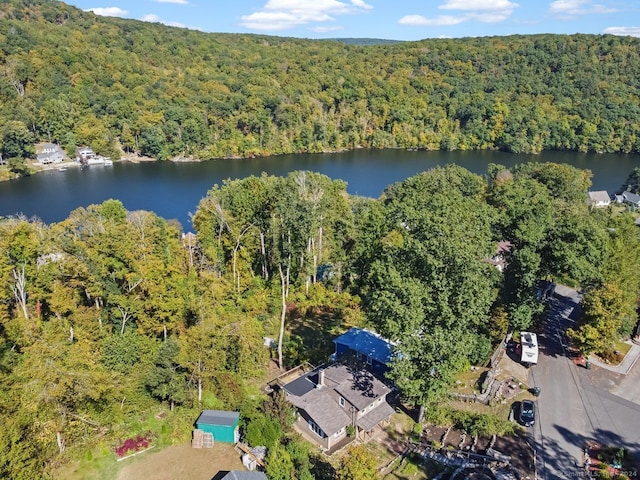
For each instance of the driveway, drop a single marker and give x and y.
(577, 405)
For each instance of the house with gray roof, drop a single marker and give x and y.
(599, 198)
(329, 399)
(631, 199)
(47, 153)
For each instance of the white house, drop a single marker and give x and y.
(599, 198)
(49, 153)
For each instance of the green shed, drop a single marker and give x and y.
(223, 425)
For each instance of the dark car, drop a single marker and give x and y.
(527, 413)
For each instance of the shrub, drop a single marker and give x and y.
(133, 445)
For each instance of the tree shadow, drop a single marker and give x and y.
(363, 379)
(557, 461)
(600, 436)
(220, 475)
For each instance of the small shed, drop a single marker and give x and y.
(221, 424)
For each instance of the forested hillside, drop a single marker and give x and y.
(72, 77)
(113, 325)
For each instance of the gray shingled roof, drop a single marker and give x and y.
(324, 410)
(631, 197)
(375, 416)
(242, 475)
(599, 196)
(358, 386)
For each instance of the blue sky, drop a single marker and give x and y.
(389, 19)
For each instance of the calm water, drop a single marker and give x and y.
(173, 190)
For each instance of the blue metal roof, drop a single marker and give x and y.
(367, 343)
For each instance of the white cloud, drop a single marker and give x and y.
(630, 31)
(284, 14)
(490, 17)
(419, 20)
(478, 5)
(572, 8)
(153, 18)
(320, 29)
(179, 2)
(484, 11)
(108, 11)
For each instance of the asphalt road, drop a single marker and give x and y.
(576, 405)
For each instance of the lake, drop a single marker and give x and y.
(173, 190)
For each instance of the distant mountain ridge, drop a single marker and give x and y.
(120, 85)
(365, 41)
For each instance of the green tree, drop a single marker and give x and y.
(166, 379)
(603, 311)
(359, 464)
(279, 465)
(430, 285)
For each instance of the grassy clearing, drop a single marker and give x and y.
(99, 460)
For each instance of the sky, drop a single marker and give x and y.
(385, 19)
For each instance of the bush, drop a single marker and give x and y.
(351, 430)
(136, 444)
(263, 430)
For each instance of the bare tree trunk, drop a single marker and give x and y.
(199, 389)
(60, 441)
(19, 290)
(71, 334)
(263, 251)
(236, 275)
(125, 318)
(284, 288)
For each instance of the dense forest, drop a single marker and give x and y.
(125, 86)
(113, 323)
(110, 316)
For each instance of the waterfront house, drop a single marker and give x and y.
(47, 153)
(84, 155)
(631, 199)
(599, 199)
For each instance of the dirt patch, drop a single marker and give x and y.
(522, 455)
(182, 462)
(453, 439)
(510, 367)
(433, 434)
(482, 444)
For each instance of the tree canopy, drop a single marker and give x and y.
(129, 86)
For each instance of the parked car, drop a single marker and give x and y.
(527, 413)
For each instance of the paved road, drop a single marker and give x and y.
(577, 405)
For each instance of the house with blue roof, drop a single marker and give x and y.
(367, 346)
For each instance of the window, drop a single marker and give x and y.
(341, 401)
(339, 432)
(369, 361)
(316, 429)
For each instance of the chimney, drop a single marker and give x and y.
(320, 378)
